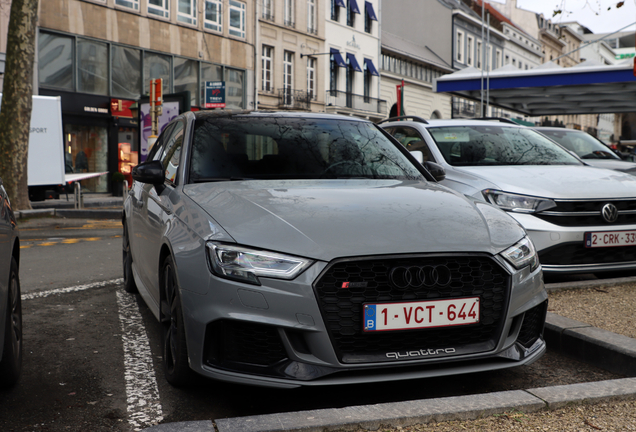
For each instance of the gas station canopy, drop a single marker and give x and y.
(549, 89)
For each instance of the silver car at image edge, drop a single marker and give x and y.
(10, 300)
(302, 249)
(581, 219)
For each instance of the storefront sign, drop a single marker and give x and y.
(352, 43)
(214, 94)
(98, 110)
(121, 108)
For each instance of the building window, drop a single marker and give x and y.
(186, 77)
(55, 61)
(478, 55)
(209, 72)
(469, 50)
(288, 76)
(266, 66)
(237, 18)
(132, 4)
(159, 8)
(157, 66)
(335, 10)
(367, 85)
(459, 47)
(311, 78)
(289, 12)
(268, 9)
(213, 14)
(311, 17)
(351, 16)
(333, 75)
(369, 16)
(126, 67)
(187, 11)
(497, 59)
(234, 89)
(92, 61)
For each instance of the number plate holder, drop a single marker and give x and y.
(420, 314)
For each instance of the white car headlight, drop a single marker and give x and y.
(246, 265)
(518, 203)
(522, 254)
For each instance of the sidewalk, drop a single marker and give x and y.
(601, 348)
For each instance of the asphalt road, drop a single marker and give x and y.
(93, 352)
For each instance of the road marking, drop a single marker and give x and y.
(26, 244)
(142, 392)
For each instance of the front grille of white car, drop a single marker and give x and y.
(572, 213)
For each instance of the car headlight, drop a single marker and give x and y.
(246, 265)
(522, 254)
(518, 203)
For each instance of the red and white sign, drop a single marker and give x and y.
(121, 108)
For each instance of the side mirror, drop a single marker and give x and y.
(436, 170)
(149, 172)
(418, 155)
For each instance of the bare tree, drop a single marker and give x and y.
(17, 92)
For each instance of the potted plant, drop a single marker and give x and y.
(118, 184)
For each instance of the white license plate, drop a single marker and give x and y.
(610, 238)
(420, 314)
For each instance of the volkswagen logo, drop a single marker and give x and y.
(420, 276)
(609, 213)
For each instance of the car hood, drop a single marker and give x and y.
(554, 181)
(614, 164)
(337, 218)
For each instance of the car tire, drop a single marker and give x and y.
(175, 351)
(129, 279)
(11, 363)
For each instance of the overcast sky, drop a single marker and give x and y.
(593, 14)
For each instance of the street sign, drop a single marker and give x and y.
(156, 91)
(214, 94)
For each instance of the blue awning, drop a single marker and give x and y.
(353, 5)
(341, 3)
(549, 89)
(335, 56)
(370, 12)
(353, 63)
(368, 65)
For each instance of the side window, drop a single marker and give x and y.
(156, 150)
(412, 140)
(172, 152)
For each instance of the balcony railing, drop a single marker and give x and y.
(268, 15)
(290, 23)
(294, 99)
(358, 102)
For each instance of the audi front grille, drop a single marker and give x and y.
(346, 285)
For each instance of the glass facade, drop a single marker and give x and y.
(126, 72)
(186, 77)
(55, 61)
(92, 67)
(86, 150)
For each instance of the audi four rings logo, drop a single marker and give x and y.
(420, 276)
(609, 213)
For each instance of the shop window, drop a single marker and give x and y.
(126, 72)
(234, 88)
(237, 18)
(156, 66)
(213, 15)
(159, 8)
(86, 150)
(131, 4)
(187, 11)
(55, 61)
(186, 77)
(128, 156)
(92, 74)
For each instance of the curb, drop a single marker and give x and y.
(70, 213)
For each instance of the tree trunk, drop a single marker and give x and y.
(17, 92)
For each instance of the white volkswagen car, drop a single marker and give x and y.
(581, 219)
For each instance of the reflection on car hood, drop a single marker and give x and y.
(337, 218)
(557, 181)
(614, 164)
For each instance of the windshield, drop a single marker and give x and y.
(252, 147)
(498, 145)
(581, 143)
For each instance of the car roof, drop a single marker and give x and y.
(276, 114)
(455, 122)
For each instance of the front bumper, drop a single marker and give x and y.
(275, 335)
(562, 249)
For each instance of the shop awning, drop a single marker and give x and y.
(368, 65)
(370, 12)
(341, 3)
(353, 5)
(550, 89)
(335, 56)
(353, 63)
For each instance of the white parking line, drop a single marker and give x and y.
(142, 392)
